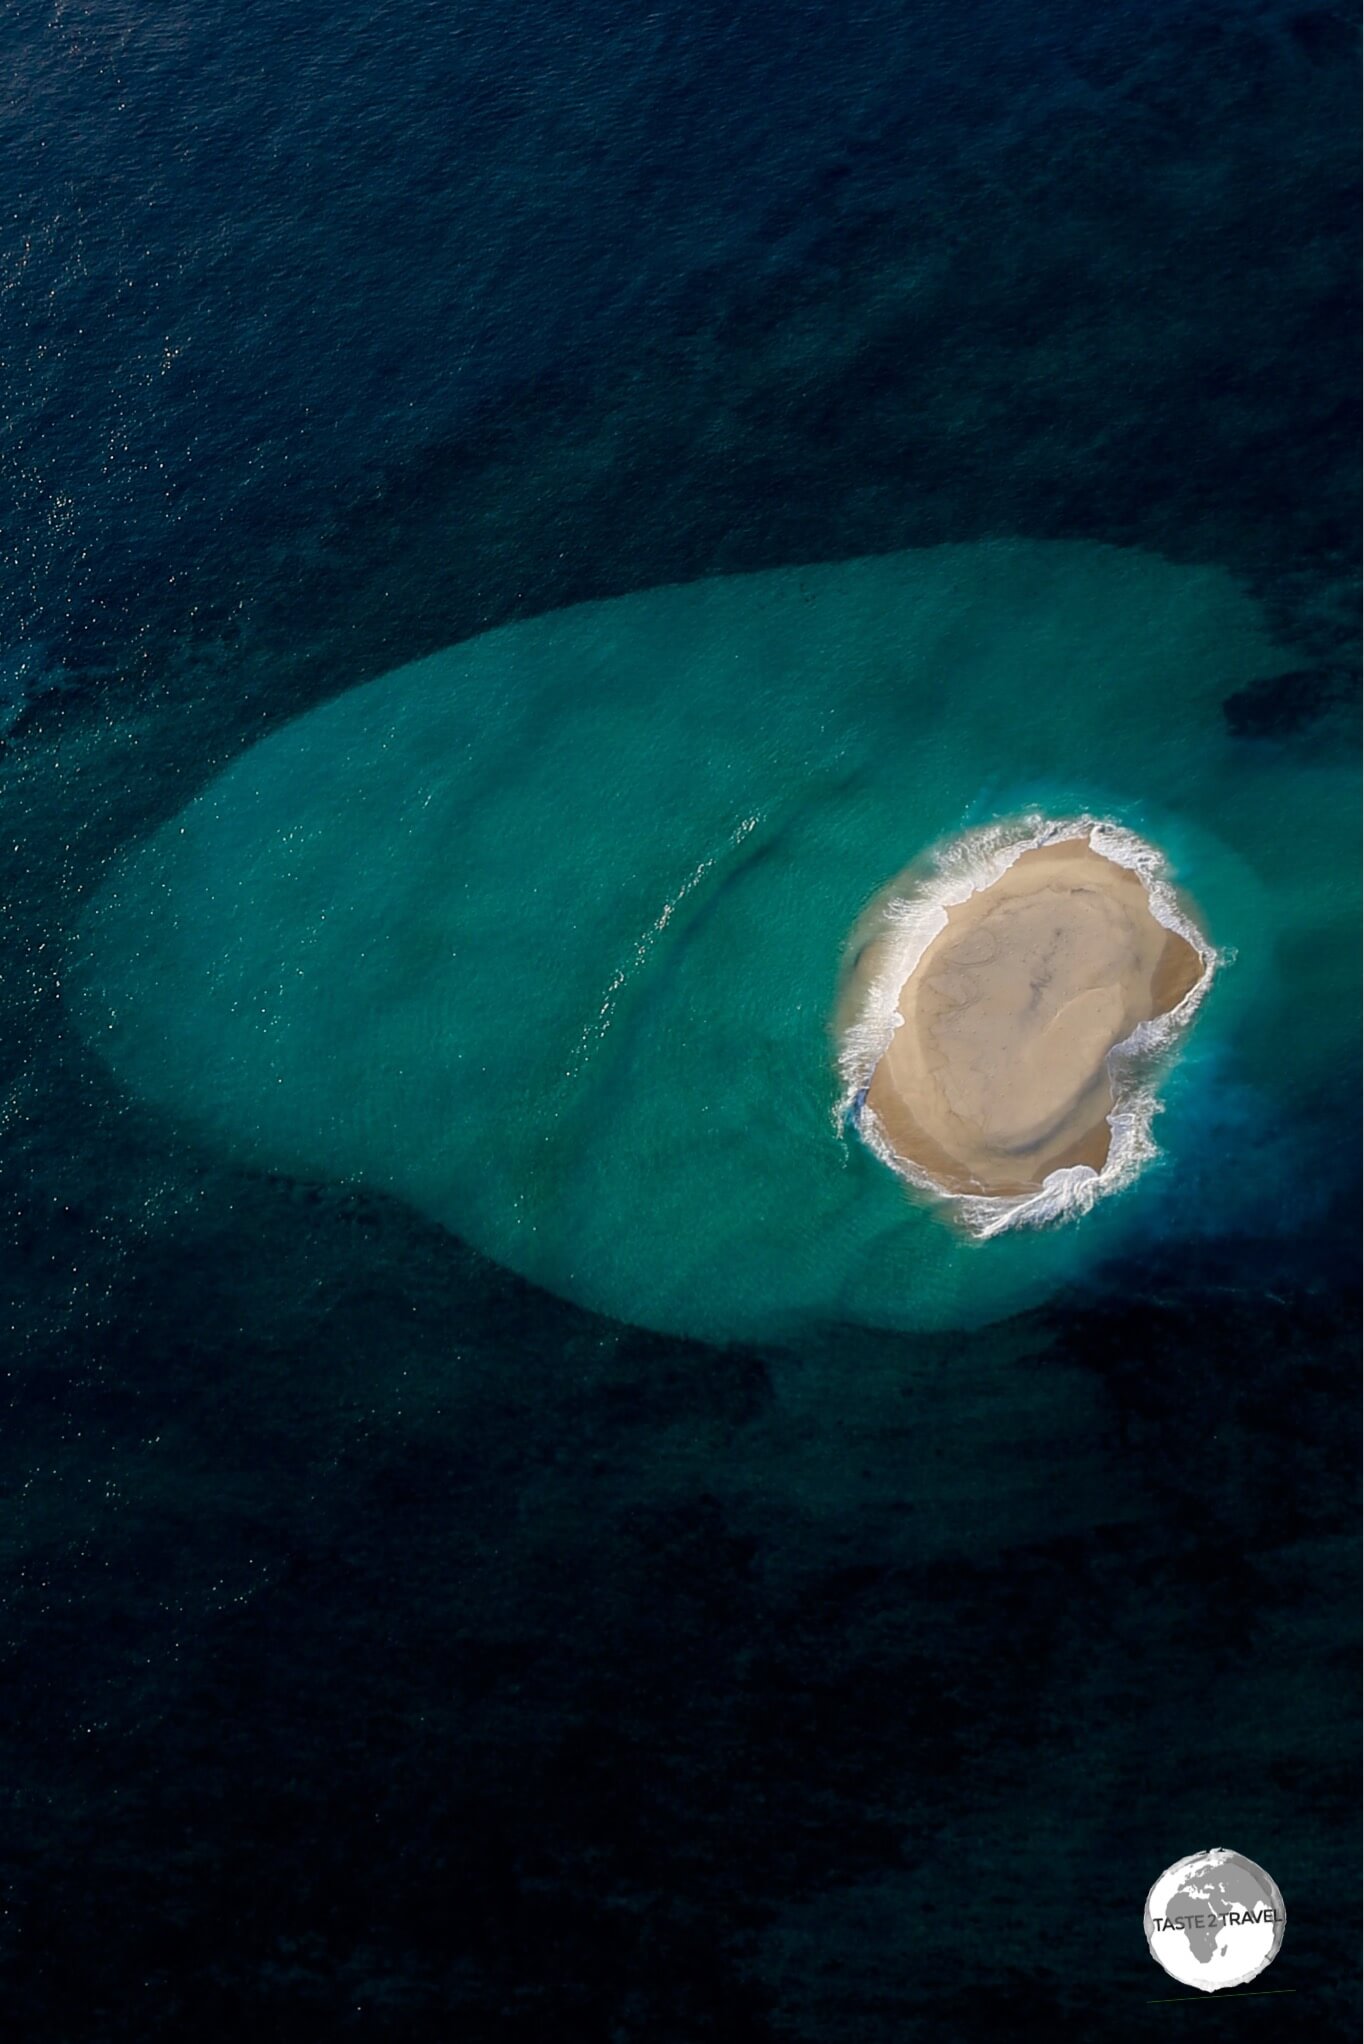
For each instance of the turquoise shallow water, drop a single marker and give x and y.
(544, 933)
(393, 1648)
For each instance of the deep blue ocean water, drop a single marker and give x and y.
(393, 1647)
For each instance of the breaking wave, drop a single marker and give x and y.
(906, 924)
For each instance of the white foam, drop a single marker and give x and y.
(955, 871)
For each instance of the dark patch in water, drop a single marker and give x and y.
(390, 1648)
(1286, 704)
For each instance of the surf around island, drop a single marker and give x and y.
(1008, 1004)
(543, 935)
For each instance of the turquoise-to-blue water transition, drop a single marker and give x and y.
(521, 519)
(544, 932)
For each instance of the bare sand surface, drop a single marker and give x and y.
(997, 1074)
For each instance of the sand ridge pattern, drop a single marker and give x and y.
(998, 1074)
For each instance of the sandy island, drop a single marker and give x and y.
(997, 1075)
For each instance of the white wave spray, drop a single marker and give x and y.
(907, 925)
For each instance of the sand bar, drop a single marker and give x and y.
(998, 1074)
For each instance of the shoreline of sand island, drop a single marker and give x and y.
(998, 1073)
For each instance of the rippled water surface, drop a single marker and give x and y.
(517, 525)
